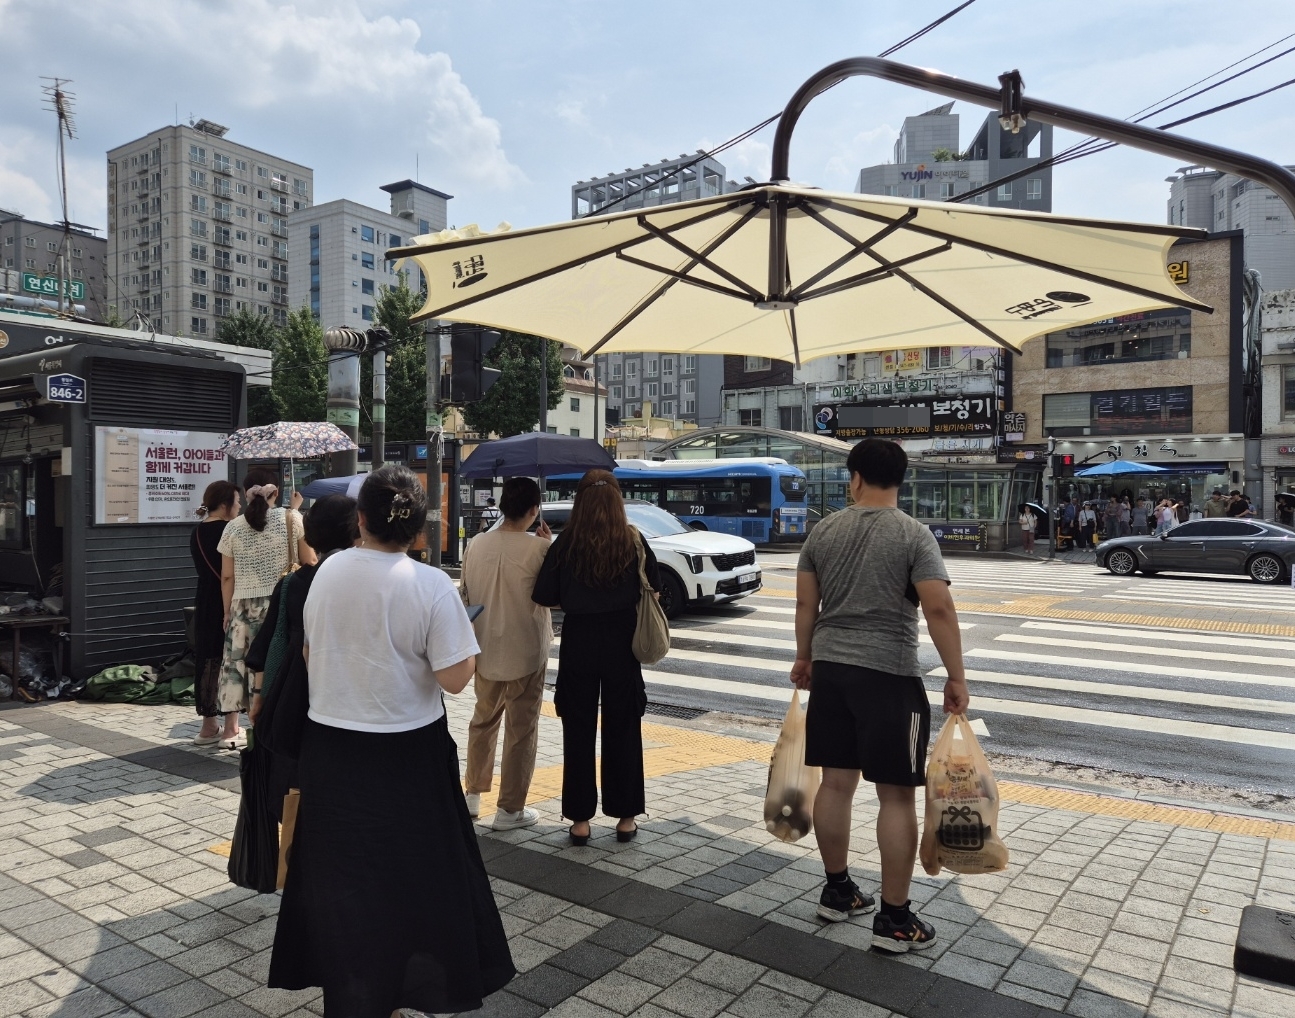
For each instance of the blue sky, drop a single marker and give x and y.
(506, 104)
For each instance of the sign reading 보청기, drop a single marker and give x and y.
(964, 535)
(148, 476)
(925, 418)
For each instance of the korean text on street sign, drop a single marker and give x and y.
(47, 286)
(65, 389)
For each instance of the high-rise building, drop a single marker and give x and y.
(198, 228)
(685, 388)
(29, 269)
(1218, 202)
(931, 163)
(339, 248)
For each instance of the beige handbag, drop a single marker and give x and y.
(652, 633)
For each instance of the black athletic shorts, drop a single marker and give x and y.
(869, 721)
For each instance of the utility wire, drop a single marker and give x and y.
(737, 139)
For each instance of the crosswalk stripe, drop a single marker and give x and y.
(737, 639)
(1129, 648)
(1159, 669)
(1244, 703)
(1198, 602)
(1268, 643)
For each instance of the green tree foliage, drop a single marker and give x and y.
(511, 407)
(301, 369)
(246, 328)
(944, 155)
(407, 366)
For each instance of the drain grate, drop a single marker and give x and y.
(670, 710)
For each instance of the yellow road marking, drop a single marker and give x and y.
(670, 749)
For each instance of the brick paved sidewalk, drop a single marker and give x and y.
(114, 901)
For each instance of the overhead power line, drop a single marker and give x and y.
(739, 138)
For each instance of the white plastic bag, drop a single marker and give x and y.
(961, 830)
(789, 798)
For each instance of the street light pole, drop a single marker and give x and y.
(435, 434)
(344, 347)
(378, 340)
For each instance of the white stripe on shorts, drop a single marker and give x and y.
(914, 727)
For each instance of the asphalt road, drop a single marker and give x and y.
(1174, 703)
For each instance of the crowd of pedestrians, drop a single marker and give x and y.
(331, 605)
(1082, 524)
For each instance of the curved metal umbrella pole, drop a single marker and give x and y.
(1014, 108)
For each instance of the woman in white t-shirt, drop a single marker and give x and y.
(387, 903)
(256, 550)
(1029, 524)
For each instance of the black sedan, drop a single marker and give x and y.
(1263, 551)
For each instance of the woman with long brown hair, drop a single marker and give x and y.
(592, 573)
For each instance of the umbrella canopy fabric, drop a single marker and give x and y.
(286, 440)
(536, 455)
(321, 486)
(1119, 467)
(863, 273)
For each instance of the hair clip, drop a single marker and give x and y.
(598, 484)
(395, 513)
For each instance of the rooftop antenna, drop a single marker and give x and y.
(61, 102)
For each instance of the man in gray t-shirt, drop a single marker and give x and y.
(862, 575)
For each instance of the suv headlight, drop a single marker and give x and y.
(696, 562)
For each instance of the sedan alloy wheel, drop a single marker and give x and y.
(1121, 562)
(1265, 569)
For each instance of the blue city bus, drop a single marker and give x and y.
(759, 498)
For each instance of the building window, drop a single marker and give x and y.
(366, 286)
(946, 190)
(199, 277)
(575, 432)
(1033, 189)
(198, 227)
(631, 369)
(1288, 391)
(198, 300)
(198, 326)
(197, 178)
(749, 418)
(366, 312)
(1005, 191)
(616, 392)
(888, 189)
(756, 364)
(262, 286)
(689, 406)
(791, 418)
(631, 392)
(220, 162)
(689, 386)
(938, 357)
(919, 190)
(197, 154)
(650, 390)
(650, 367)
(667, 365)
(30, 263)
(667, 408)
(366, 234)
(29, 241)
(221, 306)
(198, 203)
(575, 404)
(616, 370)
(366, 260)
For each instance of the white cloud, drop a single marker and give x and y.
(21, 189)
(572, 111)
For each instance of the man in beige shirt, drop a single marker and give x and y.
(499, 570)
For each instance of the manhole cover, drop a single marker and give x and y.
(669, 710)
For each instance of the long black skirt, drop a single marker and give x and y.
(387, 902)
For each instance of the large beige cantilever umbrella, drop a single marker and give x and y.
(861, 272)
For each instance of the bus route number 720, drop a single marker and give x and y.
(696, 510)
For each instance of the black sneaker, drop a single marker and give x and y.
(840, 901)
(914, 935)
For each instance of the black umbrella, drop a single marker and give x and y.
(536, 454)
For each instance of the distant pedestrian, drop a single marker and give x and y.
(1087, 524)
(387, 903)
(1126, 517)
(862, 575)
(1286, 508)
(1216, 505)
(489, 516)
(1166, 519)
(1182, 511)
(1239, 506)
(220, 504)
(257, 549)
(1138, 517)
(1111, 519)
(1029, 524)
(515, 633)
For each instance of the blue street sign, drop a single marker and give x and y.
(65, 389)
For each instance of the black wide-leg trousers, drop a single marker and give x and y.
(596, 664)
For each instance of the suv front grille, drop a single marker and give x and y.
(726, 562)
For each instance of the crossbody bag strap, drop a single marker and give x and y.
(203, 552)
(642, 556)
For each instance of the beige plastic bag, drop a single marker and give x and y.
(961, 830)
(789, 799)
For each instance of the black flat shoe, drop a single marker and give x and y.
(577, 839)
(630, 835)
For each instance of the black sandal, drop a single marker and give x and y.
(630, 835)
(579, 840)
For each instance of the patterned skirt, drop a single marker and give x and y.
(245, 618)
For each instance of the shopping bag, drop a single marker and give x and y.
(290, 803)
(961, 830)
(255, 850)
(789, 798)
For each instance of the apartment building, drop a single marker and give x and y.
(198, 228)
(340, 247)
(685, 388)
(29, 257)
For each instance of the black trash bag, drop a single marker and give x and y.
(254, 855)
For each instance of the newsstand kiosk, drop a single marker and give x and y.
(105, 451)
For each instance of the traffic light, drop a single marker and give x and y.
(470, 379)
(1062, 464)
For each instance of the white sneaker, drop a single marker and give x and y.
(474, 804)
(505, 821)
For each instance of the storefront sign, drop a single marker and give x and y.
(902, 360)
(940, 418)
(1178, 272)
(884, 387)
(961, 535)
(147, 476)
(48, 286)
(1286, 450)
(1014, 427)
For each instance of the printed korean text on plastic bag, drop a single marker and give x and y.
(961, 830)
(789, 799)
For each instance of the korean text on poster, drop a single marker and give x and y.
(144, 475)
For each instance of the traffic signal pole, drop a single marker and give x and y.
(435, 432)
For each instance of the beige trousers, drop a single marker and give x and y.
(519, 701)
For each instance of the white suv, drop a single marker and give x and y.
(697, 566)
